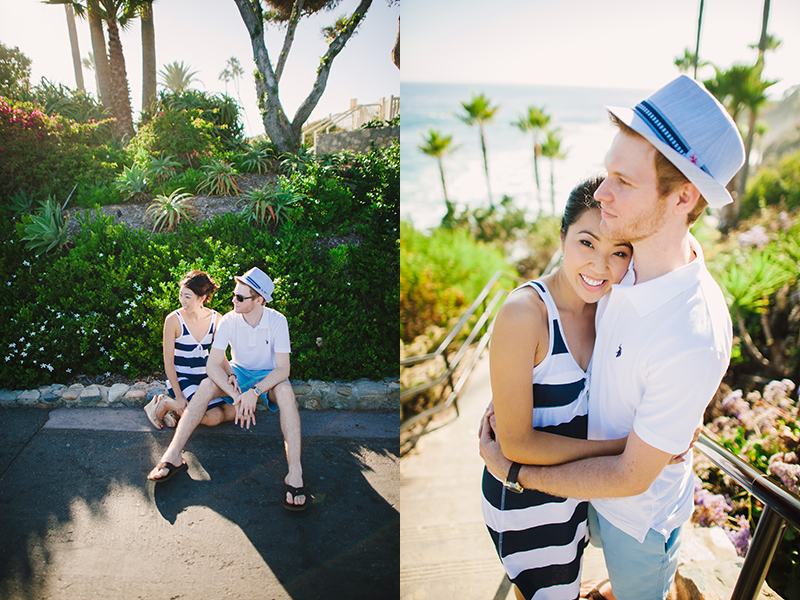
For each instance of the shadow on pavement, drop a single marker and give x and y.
(55, 485)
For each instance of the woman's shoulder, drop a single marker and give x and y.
(525, 307)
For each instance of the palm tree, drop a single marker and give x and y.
(478, 111)
(696, 56)
(176, 76)
(551, 148)
(73, 42)
(88, 63)
(149, 84)
(437, 145)
(536, 121)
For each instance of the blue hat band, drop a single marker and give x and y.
(665, 131)
(251, 282)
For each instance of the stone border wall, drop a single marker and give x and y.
(358, 140)
(311, 395)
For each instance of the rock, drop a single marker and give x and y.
(29, 398)
(301, 388)
(135, 396)
(344, 389)
(116, 392)
(90, 396)
(72, 392)
(8, 397)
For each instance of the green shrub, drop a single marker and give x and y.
(269, 204)
(181, 133)
(774, 185)
(189, 180)
(99, 306)
(441, 274)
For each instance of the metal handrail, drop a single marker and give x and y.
(781, 506)
(452, 365)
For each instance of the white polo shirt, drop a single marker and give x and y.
(661, 350)
(253, 347)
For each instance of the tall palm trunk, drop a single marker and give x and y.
(697, 44)
(148, 56)
(101, 67)
(486, 166)
(120, 94)
(73, 42)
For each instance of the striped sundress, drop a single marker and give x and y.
(190, 359)
(540, 538)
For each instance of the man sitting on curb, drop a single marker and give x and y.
(259, 341)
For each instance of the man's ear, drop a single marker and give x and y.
(688, 195)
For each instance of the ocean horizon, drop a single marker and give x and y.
(578, 111)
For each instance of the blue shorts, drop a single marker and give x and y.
(247, 379)
(636, 570)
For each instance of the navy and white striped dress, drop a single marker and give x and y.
(190, 359)
(540, 538)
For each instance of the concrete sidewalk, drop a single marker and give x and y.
(79, 520)
(445, 550)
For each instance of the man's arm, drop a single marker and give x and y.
(246, 402)
(627, 474)
(216, 371)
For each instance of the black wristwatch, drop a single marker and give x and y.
(511, 482)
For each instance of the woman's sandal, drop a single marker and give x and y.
(150, 411)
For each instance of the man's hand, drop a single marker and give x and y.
(246, 409)
(491, 452)
(489, 412)
(679, 458)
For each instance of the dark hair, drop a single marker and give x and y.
(200, 282)
(580, 199)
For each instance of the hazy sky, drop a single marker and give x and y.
(608, 43)
(204, 34)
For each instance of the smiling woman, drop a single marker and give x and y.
(544, 333)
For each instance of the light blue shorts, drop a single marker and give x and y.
(636, 570)
(247, 379)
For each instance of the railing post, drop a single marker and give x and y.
(768, 536)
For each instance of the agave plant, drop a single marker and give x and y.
(292, 163)
(132, 182)
(162, 168)
(269, 205)
(169, 211)
(21, 203)
(48, 229)
(219, 179)
(257, 160)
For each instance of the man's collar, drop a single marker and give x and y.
(650, 295)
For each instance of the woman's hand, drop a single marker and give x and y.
(489, 413)
(234, 383)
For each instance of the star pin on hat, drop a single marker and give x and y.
(259, 281)
(693, 131)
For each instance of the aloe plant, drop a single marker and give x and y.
(169, 211)
(48, 229)
(21, 203)
(162, 168)
(257, 160)
(269, 205)
(132, 182)
(219, 179)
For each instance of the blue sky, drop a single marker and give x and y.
(612, 43)
(204, 34)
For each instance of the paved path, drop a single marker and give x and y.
(79, 520)
(445, 550)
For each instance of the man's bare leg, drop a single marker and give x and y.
(283, 395)
(191, 418)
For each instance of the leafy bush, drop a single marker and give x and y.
(169, 211)
(773, 186)
(181, 133)
(440, 275)
(221, 111)
(45, 155)
(189, 180)
(59, 99)
(99, 307)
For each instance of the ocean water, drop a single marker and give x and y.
(579, 112)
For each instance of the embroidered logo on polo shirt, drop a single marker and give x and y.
(619, 351)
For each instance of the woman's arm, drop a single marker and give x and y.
(519, 341)
(171, 332)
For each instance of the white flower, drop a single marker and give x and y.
(69, 370)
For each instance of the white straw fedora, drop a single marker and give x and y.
(259, 281)
(694, 131)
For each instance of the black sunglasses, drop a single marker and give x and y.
(240, 298)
